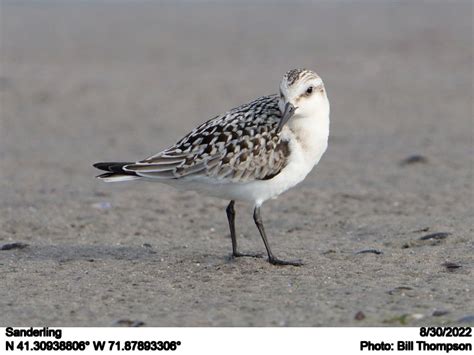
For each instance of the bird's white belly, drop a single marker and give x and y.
(301, 162)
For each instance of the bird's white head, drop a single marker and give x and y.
(302, 95)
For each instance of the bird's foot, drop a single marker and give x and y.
(276, 261)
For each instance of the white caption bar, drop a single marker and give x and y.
(230, 341)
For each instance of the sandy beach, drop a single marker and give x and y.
(384, 223)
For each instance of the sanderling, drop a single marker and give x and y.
(251, 153)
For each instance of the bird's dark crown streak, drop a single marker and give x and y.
(295, 75)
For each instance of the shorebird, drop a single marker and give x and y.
(252, 153)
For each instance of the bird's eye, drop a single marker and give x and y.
(309, 90)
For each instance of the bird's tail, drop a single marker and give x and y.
(115, 172)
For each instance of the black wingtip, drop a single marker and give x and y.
(114, 167)
(99, 166)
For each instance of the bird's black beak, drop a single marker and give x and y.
(289, 112)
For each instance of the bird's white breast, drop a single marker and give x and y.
(308, 140)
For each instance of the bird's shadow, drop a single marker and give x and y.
(67, 252)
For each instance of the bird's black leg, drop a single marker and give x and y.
(271, 258)
(231, 218)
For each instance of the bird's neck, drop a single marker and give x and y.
(311, 132)
(312, 127)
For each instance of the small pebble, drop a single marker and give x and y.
(369, 251)
(414, 159)
(359, 316)
(439, 313)
(436, 236)
(146, 245)
(451, 266)
(128, 323)
(11, 246)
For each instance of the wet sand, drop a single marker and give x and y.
(95, 82)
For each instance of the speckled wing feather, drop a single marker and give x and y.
(240, 146)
